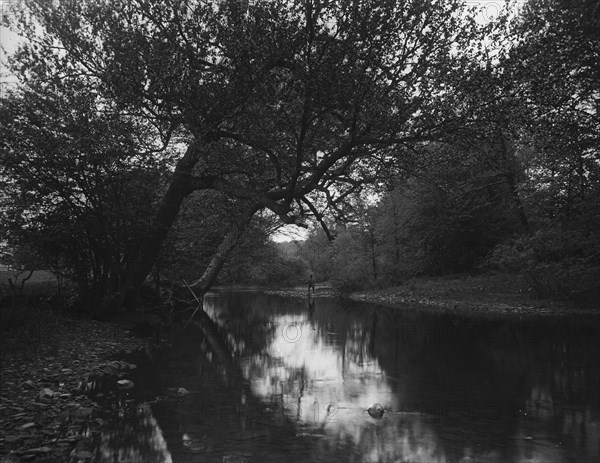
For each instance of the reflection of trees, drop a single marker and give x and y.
(135, 437)
(242, 320)
(481, 376)
(535, 377)
(524, 370)
(392, 440)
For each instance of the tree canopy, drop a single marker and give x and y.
(275, 103)
(296, 107)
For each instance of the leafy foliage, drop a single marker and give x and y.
(306, 96)
(465, 136)
(557, 264)
(77, 189)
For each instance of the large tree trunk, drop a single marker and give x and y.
(140, 265)
(224, 249)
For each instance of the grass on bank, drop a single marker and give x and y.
(29, 320)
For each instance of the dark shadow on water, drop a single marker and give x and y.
(274, 379)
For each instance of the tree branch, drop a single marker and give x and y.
(319, 217)
(238, 191)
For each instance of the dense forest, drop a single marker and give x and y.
(148, 143)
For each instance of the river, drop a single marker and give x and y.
(271, 379)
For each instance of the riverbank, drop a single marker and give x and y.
(47, 365)
(481, 294)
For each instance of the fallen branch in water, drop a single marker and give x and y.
(197, 307)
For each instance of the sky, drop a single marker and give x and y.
(290, 233)
(8, 44)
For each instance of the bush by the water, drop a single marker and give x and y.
(558, 264)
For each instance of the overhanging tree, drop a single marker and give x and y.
(274, 103)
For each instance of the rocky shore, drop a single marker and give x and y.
(402, 298)
(45, 415)
(302, 293)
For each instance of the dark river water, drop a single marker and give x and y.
(269, 379)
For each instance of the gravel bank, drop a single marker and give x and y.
(399, 298)
(402, 300)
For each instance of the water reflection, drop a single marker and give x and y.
(136, 438)
(454, 388)
(273, 379)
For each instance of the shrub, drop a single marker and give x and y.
(557, 264)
